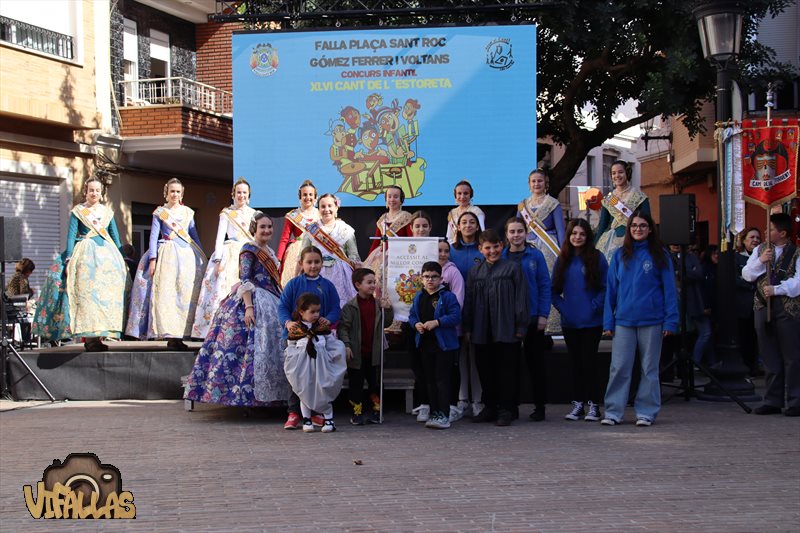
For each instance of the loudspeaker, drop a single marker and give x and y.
(10, 239)
(678, 218)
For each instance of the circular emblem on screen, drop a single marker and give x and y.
(264, 60)
(498, 54)
(412, 248)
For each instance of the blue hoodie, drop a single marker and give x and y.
(323, 288)
(534, 267)
(640, 294)
(447, 312)
(465, 257)
(580, 306)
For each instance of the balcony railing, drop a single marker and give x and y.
(183, 91)
(36, 38)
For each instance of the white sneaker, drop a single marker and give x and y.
(328, 426)
(438, 421)
(477, 407)
(643, 422)
(423, 412)
(455, 413)
(465, 408)
(308, 427)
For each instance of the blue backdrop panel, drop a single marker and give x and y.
(357, 111)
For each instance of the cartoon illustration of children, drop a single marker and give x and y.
(352, 118)
(409, 131)
(371, 151)
(338, 151)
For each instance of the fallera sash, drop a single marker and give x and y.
(617, 208)
(270, 263)
(177, 229)
(401, 221)
(533, 221)
(237, 224)
(95, 223)
(319, 235)
(295, 216)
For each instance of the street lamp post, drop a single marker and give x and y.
(720, 25)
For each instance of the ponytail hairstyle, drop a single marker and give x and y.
(589, 254)
(654, 244)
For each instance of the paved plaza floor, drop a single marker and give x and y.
(702, 467)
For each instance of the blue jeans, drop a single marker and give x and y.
(623, 352)
(703, 325)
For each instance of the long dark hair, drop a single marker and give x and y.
(654, 244)
(590, 255)
(457, 245)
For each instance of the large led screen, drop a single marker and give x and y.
(357, 111)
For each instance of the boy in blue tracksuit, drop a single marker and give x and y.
(534, 267)
(435, 314)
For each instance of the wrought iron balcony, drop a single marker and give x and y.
(36, 38)
(182, 91)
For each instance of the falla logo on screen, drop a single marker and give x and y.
(264, 59)
(498, 54)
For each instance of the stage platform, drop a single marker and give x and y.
(146, 370)
(136, 370)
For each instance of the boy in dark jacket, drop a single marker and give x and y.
(435, 315)
(495, 319)
(361, 331)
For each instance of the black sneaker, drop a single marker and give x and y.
(374, 418)
(767, 410)
(538, 413)
(577, 411)
(504, 418)
(487, 414)
(357, 420)
(792, 411)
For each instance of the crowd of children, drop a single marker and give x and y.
(484, 307)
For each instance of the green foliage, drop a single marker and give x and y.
(598, 55)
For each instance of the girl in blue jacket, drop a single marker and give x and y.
(641, 307)
(464, 254)
(579, 289)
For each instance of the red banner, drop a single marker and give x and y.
(769, 161)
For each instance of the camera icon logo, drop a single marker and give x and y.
(80, 487)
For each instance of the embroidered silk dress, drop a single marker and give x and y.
(335, 269)
(164, 306)
(237, 365)
(222, 272)
(551, 218)
(316, 380)
(610, 232)
(291, 243)
(84, 295)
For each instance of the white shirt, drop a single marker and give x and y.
(754, 269)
